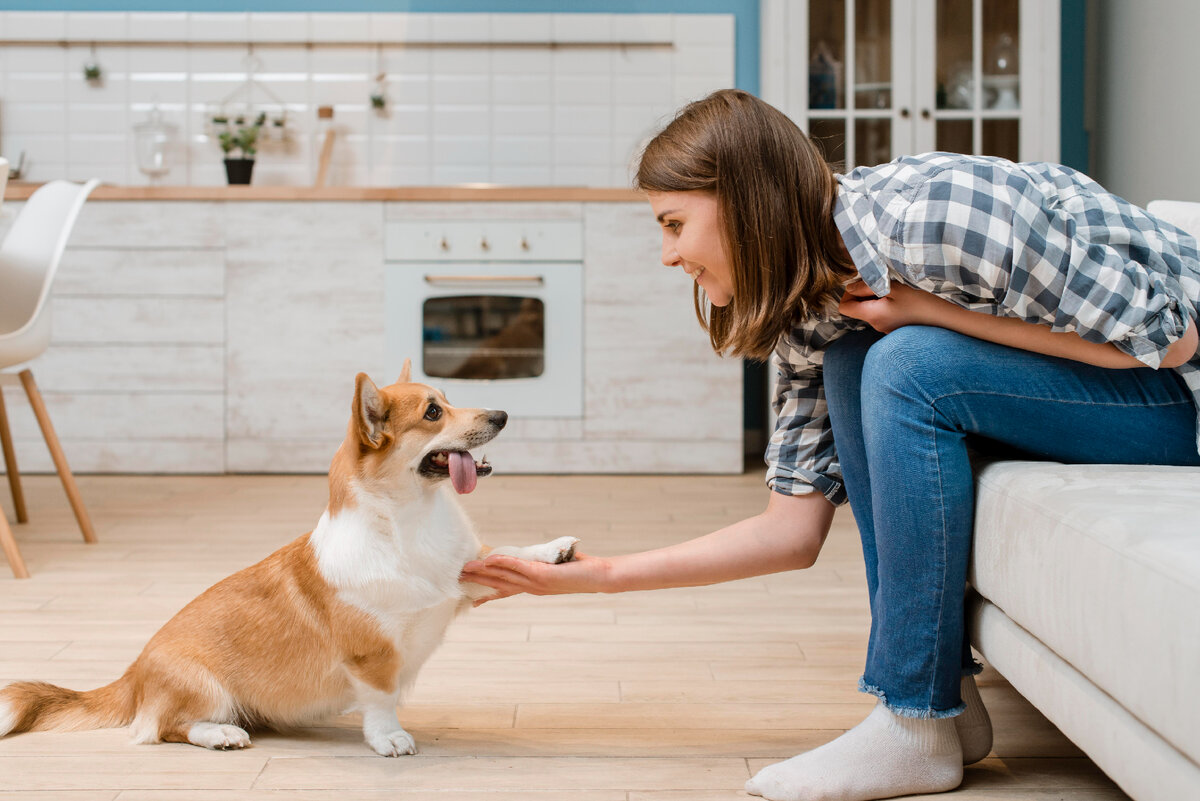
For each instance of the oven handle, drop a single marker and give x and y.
(485, 279)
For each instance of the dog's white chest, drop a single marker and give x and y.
(395, 562)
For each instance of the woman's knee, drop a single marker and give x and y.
(843, 361)
(917, 362)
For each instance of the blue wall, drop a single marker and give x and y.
(745, 13)
(1073, 137)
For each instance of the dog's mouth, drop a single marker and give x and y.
(459, 466)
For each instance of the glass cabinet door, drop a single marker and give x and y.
(977, 71)
(851, 103)
(872, 80)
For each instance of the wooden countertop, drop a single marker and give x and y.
(19, 190)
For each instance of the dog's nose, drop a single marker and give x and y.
(498, 418)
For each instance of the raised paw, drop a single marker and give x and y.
(393, 744)
(558, 551)
(218, 736)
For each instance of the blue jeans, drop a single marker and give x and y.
(904, 408)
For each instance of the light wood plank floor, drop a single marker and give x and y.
(675, 695)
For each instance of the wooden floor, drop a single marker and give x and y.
(675, 695)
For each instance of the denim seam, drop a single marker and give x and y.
(937, 645)
(1184, 402)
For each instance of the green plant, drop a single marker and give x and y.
(239, 135)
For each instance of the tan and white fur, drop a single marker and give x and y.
(341, 618)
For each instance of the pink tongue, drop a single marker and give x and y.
(462, 472)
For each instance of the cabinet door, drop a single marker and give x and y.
(969, 78)
(854, 58)
(870, 80)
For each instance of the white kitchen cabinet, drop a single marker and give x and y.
(224, 336)
(871, 80)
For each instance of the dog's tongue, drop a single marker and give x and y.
(462, 472)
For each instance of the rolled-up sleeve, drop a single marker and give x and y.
(1050, 247)
(801, 457)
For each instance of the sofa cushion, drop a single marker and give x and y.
(1102, 564)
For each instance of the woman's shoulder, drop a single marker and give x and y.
(904, 175)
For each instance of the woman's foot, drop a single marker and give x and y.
(882, 757)
(974, 726)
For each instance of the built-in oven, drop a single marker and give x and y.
(490, 312)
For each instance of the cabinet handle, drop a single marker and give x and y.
(905, 113)
(484, 279)
(925, 114)
(524, 243)
(444, 244)
(483, 244)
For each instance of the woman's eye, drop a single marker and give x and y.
(434, 412)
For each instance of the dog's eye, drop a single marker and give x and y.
(434, 412)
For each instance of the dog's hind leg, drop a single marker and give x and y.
(189, 706)
(206, 734)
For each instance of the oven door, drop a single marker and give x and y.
(493, 335)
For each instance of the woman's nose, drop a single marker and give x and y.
(669, 257)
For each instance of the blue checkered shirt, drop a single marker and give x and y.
(1039, 242)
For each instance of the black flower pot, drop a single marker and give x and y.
(238, 170)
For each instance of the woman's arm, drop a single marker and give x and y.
(905, 305)
(787, 535)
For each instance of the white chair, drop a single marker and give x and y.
(3, 177)
(29, 258)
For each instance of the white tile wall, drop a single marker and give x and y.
(526, 99)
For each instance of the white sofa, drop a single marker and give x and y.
(1086, 597)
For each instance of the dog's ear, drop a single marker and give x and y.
(405, 372)
(370, 413)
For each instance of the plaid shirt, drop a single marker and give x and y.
(1039, 242)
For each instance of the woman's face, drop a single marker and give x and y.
(693, 239)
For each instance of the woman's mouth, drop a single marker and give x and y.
(696, 275)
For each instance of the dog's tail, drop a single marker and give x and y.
(38, 706)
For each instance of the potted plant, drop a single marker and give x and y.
(239, 143)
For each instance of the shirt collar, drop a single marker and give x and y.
(853, 216)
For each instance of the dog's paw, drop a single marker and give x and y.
(558, 551)
(218, 736)
(393, 744)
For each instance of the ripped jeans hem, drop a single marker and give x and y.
(910, 711)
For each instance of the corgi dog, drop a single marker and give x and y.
(343, 617)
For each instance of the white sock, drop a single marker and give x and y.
(884, 756)
(974, 726)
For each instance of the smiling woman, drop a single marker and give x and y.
(903, 336)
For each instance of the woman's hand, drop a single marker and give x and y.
(510, 575)
(902, 306)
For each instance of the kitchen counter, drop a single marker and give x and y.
(19, 190)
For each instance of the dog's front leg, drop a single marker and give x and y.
(554, 552)
(381, 726)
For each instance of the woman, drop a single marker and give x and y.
(915, 308)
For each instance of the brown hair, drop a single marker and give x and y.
(776, 196)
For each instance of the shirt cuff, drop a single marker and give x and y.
(1149, 343)
(808, 483)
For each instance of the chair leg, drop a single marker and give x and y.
(56, 453)
(10, 464)
(9, 543)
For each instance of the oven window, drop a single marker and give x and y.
(484, 336)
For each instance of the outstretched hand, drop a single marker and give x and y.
(902, 306)
(509, 575)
